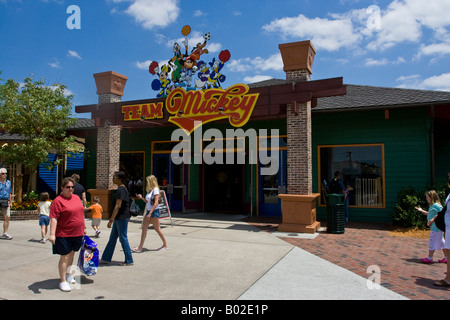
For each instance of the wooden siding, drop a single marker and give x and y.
(406, 139)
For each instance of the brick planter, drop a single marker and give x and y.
(22, 215)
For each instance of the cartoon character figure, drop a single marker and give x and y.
(189, 70)
(177, 63)
(163, 83)
(216, 78)
(183, 67)
(89, 266)
(203, 75)
(199, 49)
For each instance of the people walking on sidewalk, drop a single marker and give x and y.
(97, 211)
(44, 214)
(5, 202)
(67, 229)
(152, 213)
(119, 222)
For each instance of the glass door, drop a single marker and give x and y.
(271, 186)
(170, 179)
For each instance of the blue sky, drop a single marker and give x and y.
(392, 43)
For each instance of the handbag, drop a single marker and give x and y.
(152, 201)
(4, 203)
(439, 221)
(134, 208)
(89, 257)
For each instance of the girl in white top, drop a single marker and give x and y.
(151, 213)
(44, 213)
(446, 281)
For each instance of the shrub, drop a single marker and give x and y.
(405, 214)
(29, 202)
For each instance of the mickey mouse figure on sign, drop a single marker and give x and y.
(180, 70)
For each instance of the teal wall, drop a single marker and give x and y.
(406, 139)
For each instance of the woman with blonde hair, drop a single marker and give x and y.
(151, 213)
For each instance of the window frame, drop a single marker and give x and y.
(383, 169)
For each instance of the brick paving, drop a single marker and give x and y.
(369, 244)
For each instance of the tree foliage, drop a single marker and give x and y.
(41, 114)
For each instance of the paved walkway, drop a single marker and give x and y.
(369, 244)
(211, 257)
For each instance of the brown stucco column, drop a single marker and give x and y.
(110, 86)
(299, 205)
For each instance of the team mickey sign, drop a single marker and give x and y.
(193, 90)
(189, 109)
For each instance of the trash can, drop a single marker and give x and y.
(335, 213)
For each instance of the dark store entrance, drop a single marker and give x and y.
(223, 188)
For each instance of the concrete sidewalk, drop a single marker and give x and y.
(211, 257)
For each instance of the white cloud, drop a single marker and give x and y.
(73, 54)
(274, 62)
(55, 64)
(435, 49)
(327, 34)
(143, 65)
(383, 62)
(153, 13)
(439, 82)
(402, 21)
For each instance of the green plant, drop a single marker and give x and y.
(405, 213)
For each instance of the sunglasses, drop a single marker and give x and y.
(69, 187)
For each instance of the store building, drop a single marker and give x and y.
(381, 139)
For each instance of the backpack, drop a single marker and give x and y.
(335, 186)
(134, 208)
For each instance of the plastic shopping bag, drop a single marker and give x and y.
(89, 257)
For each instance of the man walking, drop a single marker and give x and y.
(5, 202)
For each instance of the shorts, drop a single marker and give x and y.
(96, 221)
(65, 245)
(155, 214)
(44, 220)
(436, 240)
(6, 211)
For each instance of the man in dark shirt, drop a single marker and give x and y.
(79, 189)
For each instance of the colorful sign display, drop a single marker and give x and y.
(182, 67)
(192, 101)
(194, 108)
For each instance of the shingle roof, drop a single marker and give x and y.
(359, 97)
(364, 97)
(83, 124)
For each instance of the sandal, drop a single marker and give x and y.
(136, 250)
(442, 283)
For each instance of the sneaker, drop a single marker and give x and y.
(443, 260)
(64, 286)
(70, 279)
(97, 234)
(426, 260)
(42, 240)
(6, 236)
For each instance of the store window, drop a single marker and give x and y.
(132, 163)
(361, 167)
